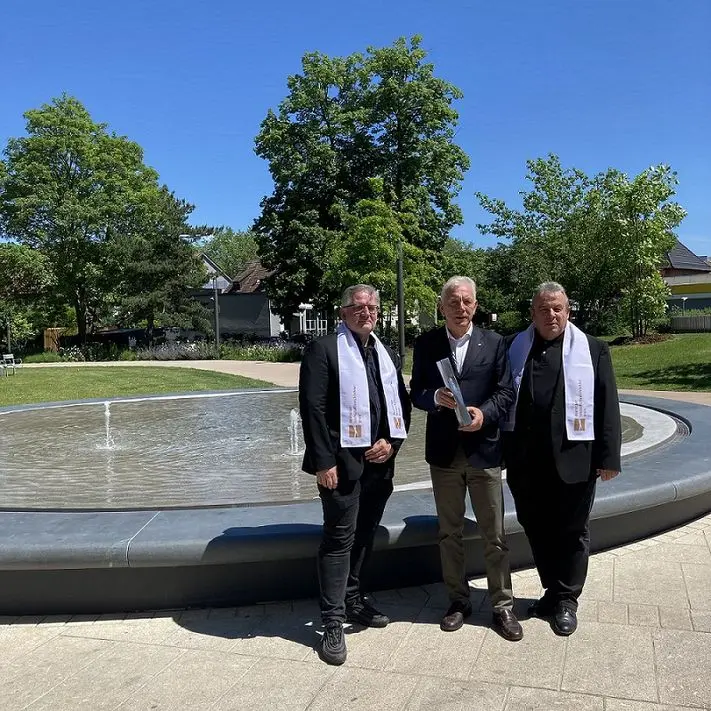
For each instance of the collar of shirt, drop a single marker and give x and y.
(458, 342)
(459, 346)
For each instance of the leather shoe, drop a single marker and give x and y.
(565, 621)
(454, 618)
(506, 624)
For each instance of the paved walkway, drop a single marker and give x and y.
(644, 644)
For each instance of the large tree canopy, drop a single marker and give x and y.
(602, 237)
(80, 196)
(346, 121)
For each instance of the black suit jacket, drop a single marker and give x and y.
(575, 461)
(319, 403)
(485, 382)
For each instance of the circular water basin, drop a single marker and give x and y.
(210, 449)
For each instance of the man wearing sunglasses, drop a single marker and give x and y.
(355, 412)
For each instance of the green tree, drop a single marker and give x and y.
(230, 249)
(599, 236)
(345, 121)
(154, 269)
(366, 250)
(24, 275)
(68, 186)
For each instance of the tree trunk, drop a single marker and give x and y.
(80, 311)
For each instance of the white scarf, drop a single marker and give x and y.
(578, 378)
(353, 385)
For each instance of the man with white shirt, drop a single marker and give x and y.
(467, 458)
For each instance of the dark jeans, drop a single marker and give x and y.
(555, 517)
(351, 515)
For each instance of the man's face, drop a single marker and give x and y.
(549, 313)
(360, 316)
(458, 308)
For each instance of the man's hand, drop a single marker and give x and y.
(607, 474)
(444, 398)
(328, 478)
(477, 420)
(380, 452)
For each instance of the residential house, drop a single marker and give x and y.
(688, 277)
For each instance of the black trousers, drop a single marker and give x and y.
(555, 517)
(351, 515)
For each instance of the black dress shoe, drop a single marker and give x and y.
(455, 616)
(506, 624)
(363, 613)
(565, 621)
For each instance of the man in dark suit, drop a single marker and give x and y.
(468, 457)
(565, 433)
(355, 414)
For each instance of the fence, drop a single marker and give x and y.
(690, 324)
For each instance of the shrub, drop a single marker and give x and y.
(275, 352)
(177, 350)
(509, 322)
(46, 357)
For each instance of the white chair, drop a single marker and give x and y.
(10, 363)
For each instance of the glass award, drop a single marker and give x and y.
(450, 381)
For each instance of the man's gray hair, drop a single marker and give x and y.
(455, 281)
(350, 291)
(549, 287)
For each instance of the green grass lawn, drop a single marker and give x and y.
(681, 363)
(55, 384)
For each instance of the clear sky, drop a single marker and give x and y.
(621, 83)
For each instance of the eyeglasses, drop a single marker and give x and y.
(359, 309)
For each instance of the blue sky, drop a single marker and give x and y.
(622, 83)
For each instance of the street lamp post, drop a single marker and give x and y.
(683, 305)
(400, 302)
(217, 314)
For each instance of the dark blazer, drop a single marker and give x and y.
(485, 382)
(576, 461)
(319, 404)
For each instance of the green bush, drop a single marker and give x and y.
(46, 357)
(274, 353)
(509, 322)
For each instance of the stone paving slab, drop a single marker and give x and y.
(644, 644)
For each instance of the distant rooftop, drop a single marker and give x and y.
(250, 278)
(681, 257)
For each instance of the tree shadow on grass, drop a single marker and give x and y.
(693, 376)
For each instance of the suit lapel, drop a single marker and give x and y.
(475, 352)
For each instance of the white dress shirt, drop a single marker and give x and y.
(460, 346)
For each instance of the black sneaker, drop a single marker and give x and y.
(363, 613)
(333, 644)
